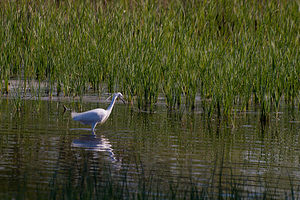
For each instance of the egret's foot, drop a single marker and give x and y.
(93, 132)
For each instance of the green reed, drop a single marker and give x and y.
(227, 53)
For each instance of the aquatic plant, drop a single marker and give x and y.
(227, 53)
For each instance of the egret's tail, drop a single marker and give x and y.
(74, 114)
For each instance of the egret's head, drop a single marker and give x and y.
(120, 95)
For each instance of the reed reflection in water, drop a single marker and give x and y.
(161, 155)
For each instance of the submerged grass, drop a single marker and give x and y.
(228, 53)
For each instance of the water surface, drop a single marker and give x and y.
(44, 154)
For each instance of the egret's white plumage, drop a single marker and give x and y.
(96, 116)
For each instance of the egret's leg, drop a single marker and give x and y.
(93, 127)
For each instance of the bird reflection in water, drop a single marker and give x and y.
(95, 143)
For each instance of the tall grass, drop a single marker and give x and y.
(227, 52)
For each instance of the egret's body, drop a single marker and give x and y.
(96, 116)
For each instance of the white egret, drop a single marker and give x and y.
(98, 115)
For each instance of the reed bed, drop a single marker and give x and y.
(227, 53)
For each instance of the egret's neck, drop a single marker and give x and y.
(110, 107)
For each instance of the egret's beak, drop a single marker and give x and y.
(122, 99)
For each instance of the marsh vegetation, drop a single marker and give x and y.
(211, 71)
(224, 54)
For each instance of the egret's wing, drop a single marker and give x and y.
(88, 117)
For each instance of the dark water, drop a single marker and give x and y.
(46, 155)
